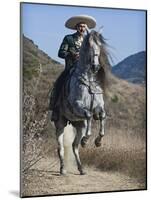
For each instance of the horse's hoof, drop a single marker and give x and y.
(98, 142)
(83, 144)
(63, 172)
(82, 173)
(84, 141)
(96, 117)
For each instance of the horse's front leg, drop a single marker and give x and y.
(87, 132)
(102, 129)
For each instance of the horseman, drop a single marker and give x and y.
(69, 50)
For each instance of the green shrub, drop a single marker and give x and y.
(29, 72)
(114, 98)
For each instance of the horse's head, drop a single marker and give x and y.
(94, 57)
(94, 51)
(90, 51)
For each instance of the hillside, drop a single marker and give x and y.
(39, 72)
(123, 149)
(132, 68)
(31, 52)
(33, 57)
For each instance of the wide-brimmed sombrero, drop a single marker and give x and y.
(73, 21)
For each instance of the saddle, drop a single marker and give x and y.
(58, 87)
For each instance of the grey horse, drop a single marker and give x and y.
(81, 97)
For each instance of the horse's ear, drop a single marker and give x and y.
(101, 29)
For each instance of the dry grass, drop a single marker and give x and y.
(36, 141)
(121, 150)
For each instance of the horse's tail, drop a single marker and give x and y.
(69, 135)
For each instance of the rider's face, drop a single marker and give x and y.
(81, 28)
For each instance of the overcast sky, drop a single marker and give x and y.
(125, 30)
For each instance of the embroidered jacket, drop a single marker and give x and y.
(69, 48)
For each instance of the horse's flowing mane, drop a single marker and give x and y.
(104, 72)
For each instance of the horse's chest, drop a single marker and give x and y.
(94, 88)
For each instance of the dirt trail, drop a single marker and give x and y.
(44, 179)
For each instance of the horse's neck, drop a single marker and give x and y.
(83, 71)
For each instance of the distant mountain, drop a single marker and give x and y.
(132, 68)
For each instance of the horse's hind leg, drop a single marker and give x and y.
(59, 134)
(61, 152)
(75, 147)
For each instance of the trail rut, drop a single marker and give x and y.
(44, 179)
